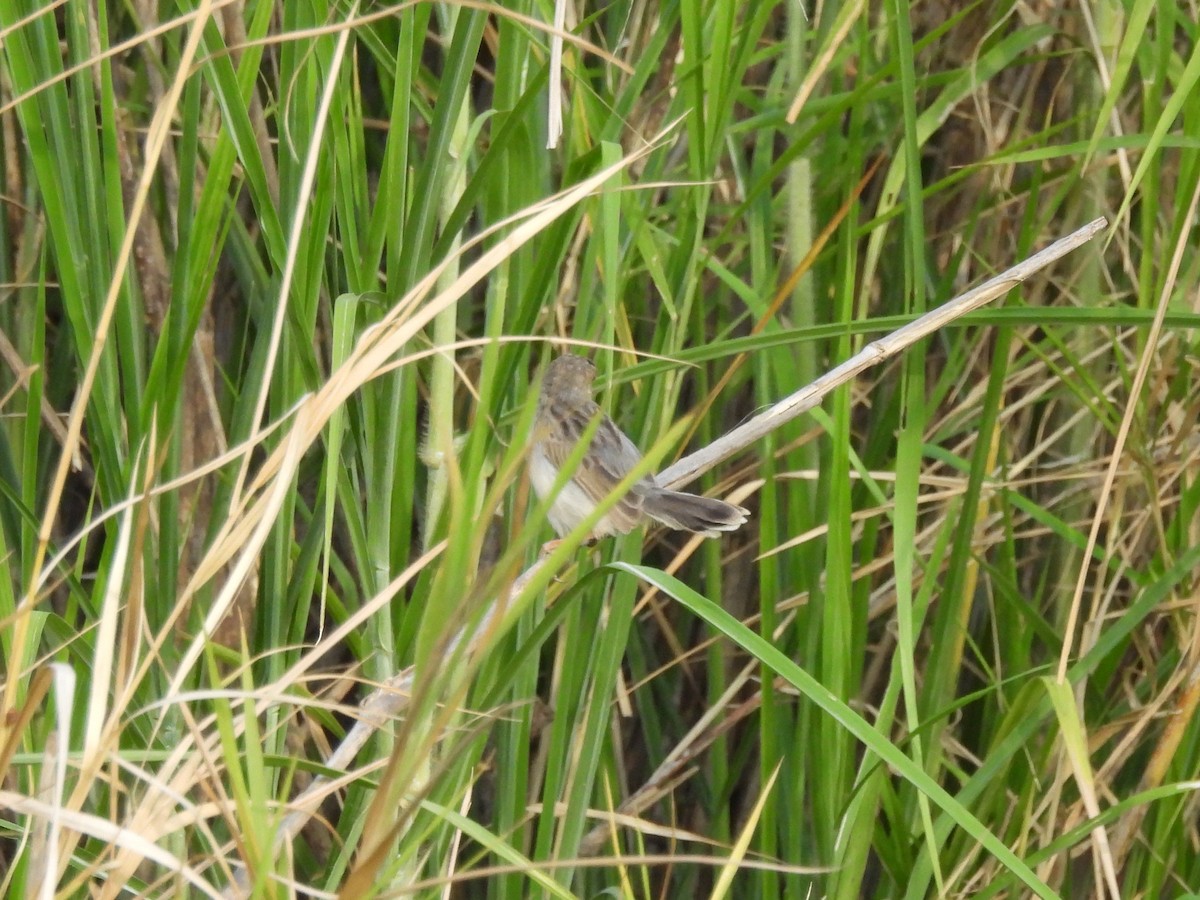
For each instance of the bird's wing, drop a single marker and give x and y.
(608, 460)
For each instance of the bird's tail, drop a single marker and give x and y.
(687, 512)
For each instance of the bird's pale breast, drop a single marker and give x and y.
(571, 506)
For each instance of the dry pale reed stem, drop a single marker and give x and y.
(692, 467)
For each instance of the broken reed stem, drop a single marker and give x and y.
(693, 466)
(389, 701)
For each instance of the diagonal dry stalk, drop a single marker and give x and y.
(692, 467)
(391, 699)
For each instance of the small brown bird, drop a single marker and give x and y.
(565, 411)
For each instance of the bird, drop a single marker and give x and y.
(565, 411)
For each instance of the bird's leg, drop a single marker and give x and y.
(550, 546)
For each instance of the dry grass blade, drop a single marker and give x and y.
(156, 140)
(1131, 411)
(242, 535)
(116, 835)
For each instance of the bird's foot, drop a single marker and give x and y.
(550, 546)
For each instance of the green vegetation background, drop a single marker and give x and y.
(277, 279)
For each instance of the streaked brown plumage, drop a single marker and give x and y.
(565, 411)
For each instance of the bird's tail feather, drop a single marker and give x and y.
(687, 512)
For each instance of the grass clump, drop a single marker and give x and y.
(278, 280)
